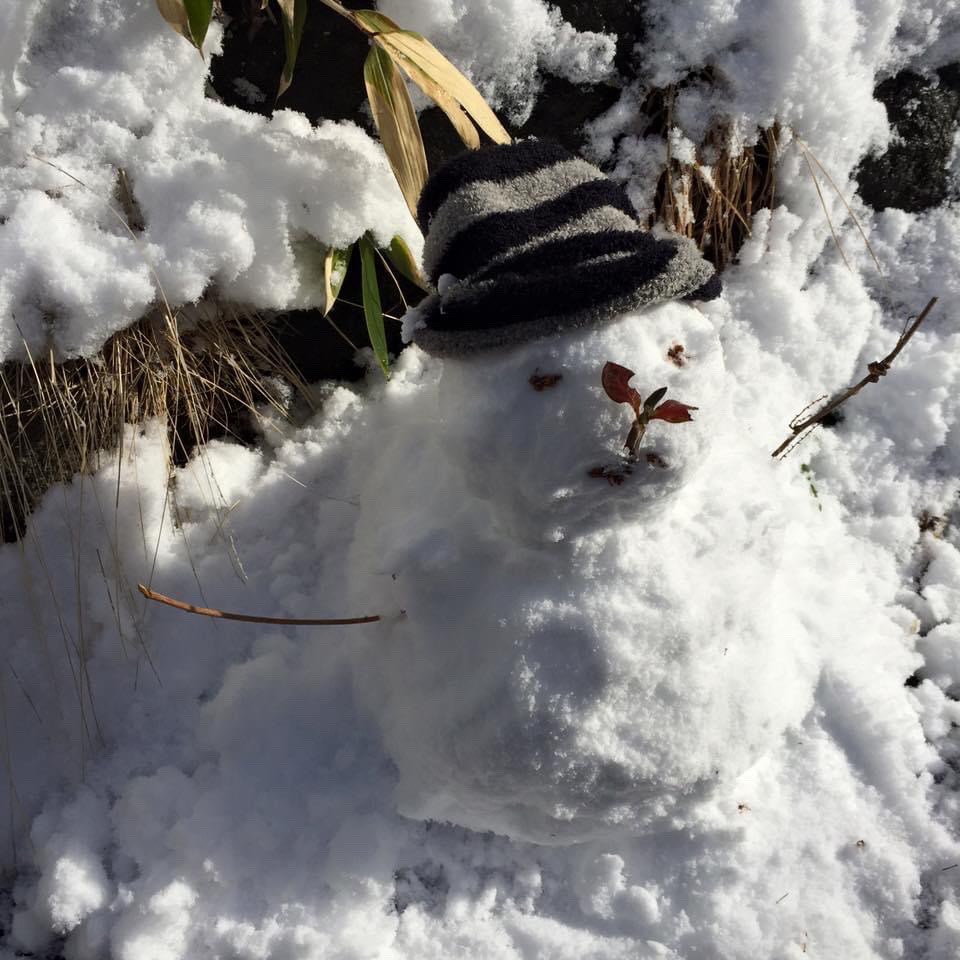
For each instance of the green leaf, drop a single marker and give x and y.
(400, 256)
(371, 303)
(294, 16)
(199, 13)
(335, 265)
(654, 398)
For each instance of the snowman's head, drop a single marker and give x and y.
(539, 266)
(536, 436)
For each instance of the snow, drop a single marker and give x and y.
(228, 198)
(503, 45)
(665, 717)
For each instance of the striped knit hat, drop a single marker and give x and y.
(526, 240)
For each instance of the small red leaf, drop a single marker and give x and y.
(673, 412)
(615, 380)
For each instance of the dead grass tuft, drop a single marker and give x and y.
(203, 372)
(713, 198)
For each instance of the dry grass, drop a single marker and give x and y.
(202, 372)
(713, 199)
(206, 371)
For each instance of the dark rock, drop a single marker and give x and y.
(624, 19)
(912, 174)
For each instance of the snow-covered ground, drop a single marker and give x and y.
(662, 718)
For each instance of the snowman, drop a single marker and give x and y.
(596, 621)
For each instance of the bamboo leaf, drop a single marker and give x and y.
(335, 265)
(371, 303)
(455, 113)
(174, 12)
(199, 13)
(408, 47)
(452, 100)
(374, 22)
(400, 256)
(294, 16)
(397, 124)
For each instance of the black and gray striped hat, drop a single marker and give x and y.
(525, 240)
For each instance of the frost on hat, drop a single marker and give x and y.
(525, 240)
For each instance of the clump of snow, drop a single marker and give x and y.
(812, 66)
(68, 846)
(928, 34)
(227, 197)
(502, 45)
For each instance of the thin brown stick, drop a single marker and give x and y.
(877, 369)
(246, 618)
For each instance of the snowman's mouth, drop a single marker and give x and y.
(617, 472)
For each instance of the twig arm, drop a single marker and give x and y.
(877, 369)
(247, 618)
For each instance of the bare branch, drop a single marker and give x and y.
(876, 370)
(246, 618)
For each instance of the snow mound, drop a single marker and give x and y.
(616, 673)
(226, 197)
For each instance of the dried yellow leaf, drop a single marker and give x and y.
(396, 122)
(455, 113)
(175, 13)
(408, 47)
(372, 21)
(400, 255)
(335, 265)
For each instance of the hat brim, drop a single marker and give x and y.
(448, 324)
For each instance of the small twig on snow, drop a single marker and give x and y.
(876, 370)
(246, 618)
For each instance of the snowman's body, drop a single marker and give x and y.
(579, 651)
